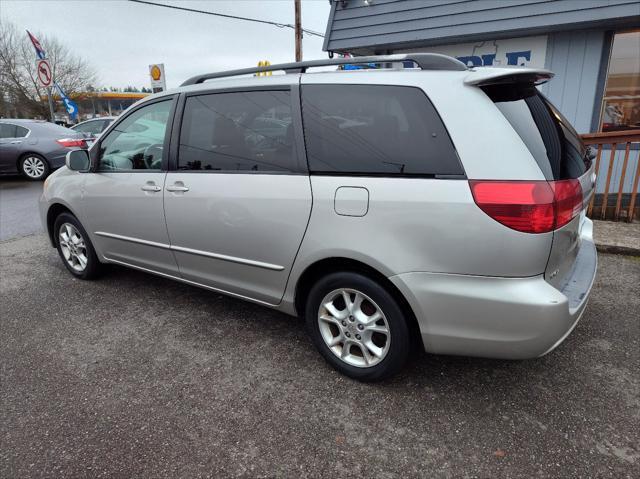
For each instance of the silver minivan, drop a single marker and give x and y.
(433, 204)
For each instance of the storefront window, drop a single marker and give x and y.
(621, 104)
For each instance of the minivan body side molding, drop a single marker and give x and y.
(187, 281)
(222, 257)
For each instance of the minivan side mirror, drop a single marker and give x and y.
(78, 160)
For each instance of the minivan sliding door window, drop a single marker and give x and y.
(250, 132)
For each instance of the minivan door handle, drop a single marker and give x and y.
(177, 186)
(150, 186)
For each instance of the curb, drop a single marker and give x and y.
(616, 249)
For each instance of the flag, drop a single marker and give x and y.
(36, 44)
(70, 105)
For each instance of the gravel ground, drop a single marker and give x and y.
(137, 376)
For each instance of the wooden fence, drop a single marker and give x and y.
(602, 204)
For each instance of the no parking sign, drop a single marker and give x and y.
(43, 70)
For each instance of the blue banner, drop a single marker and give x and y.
(70, 105)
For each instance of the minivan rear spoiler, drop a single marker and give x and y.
(496, 76)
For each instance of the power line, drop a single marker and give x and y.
(224, 15)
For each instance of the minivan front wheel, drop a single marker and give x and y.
(357, 326)
(75, 248)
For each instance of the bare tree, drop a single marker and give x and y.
(20, 93)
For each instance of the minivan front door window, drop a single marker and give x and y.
(137, 142)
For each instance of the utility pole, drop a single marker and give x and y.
(298, 30)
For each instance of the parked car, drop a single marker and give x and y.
(92, 129)
(384, 213)
(34, 147)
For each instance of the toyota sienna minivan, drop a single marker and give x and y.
(437, 205)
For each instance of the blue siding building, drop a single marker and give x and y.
(593, 46)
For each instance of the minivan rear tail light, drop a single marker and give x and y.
(71, 142)
(529, 206)
(568, 200)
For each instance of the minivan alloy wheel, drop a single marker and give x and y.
(73, 247)
(354, 327)
(33, 167)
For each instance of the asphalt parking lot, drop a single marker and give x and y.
(19, 207)
(136, 376)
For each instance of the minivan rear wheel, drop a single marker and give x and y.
(357, 326)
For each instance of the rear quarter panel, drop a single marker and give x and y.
(416, 225)
(42, 141)
(430, 225)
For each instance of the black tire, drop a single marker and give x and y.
(93, 266)
(34, 167)
(399, 339)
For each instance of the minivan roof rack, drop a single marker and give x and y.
(425, 61)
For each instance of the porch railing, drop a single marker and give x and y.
(619, 171)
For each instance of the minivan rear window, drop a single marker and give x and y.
(553, 142)
(375, 130)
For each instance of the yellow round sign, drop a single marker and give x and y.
(156, 73)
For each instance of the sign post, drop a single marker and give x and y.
(43, 72)
(51, 112)
(158, 81)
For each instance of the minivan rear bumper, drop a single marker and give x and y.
(510, 318)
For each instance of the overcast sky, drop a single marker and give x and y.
(121, 38)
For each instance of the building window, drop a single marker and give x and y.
(621, 103)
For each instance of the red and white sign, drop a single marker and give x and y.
(45, 77)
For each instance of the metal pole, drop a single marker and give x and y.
(51, 112)
(298, 30)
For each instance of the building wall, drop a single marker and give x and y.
(576, 58)
(359, 28)
(579, 60)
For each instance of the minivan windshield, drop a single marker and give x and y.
(553, 142)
